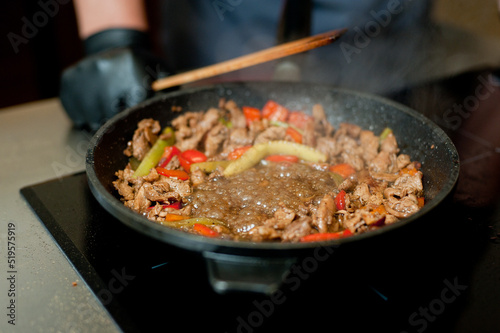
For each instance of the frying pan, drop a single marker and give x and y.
(260, 267)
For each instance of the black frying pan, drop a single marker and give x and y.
(260, 266)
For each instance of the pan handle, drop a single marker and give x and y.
(228, 272)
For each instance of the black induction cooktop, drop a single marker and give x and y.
(441, 274)
(430, 278)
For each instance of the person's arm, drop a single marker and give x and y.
(95, 15)
(118, 67)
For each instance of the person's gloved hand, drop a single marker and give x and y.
(116, 74)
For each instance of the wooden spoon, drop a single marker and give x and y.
(272, 53)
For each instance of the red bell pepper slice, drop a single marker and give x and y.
(340, 200)
(343, 169)
(235, 154)
(251, 114)
(191, 156)
(204, 230)
(175, 205)
(168, 153)
(324, 236)
(282, 158)
(275, 111)
(299, 119)
(180, 174)
(175, 217)
(294, 134)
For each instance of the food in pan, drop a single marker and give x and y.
(268, 174)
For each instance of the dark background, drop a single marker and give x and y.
(33, 72)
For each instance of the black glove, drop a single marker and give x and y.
(116, 74)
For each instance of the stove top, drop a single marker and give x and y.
(441, 274)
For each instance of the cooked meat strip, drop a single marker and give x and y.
(389, 144)
(241, 137)
(237, 117)
(140, 203)
(369, 143)
(181, 187)
(215, 140)
(348, 129)
(151, 176)
(347, 185)
(327, 146)
(144, 137)
(271, 134)
(354, 222)
(388, 177)
(403, 207)
(198, 177)
(410, 184)
(257, 126)
(174, 164)
(323, 217)
(402, 161)
(321, 124)
(123, 187)
(190, 132)
(376, 199)
(381, 163)
(363, 192)
(297, 229)
(309, 135)
(355, 160)
(283, 217)
(263, 232)
(159, 191)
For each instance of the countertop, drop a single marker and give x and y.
(39, 144)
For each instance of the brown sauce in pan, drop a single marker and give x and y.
(253, 196)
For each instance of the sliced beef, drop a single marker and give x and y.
(160, 191)
(140, 203)
(389, 144)
(144, 137)
(363, 193)
(241, 137)
(198, 177)
(215, 140)
(369, 143)
(384, 162)
(323, 216)
(181, 187)
(402, 161)
(191, 129)
(297, 229)
(124, 189)
(271, 134)
(238, 119)
(309, 134)
(346, 129)
(354, 222)
(327, 146)
(321, 124)
(402, 207)
(410, 184)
